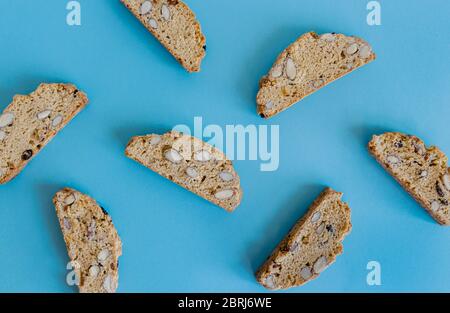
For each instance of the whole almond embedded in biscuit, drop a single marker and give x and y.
(277, 71)
(316, 216)
(446, 181)
(192, 172)
(224, 194)
(93, 271)
(291, 71)
(57, 121)
(155, 140)
(393, 160)
(146, 7)
(109, 284)
(173, 156)
(70, 199)
(270, 282)
(352, 49)
(153, 23)
(43, 114)
(269, 105)
(226, 176)
(6, 119)
(306, 273)
(103, 255)
(320, 264)
(365, 52)
(435, 206)
(165, 12)
(67, 224)
(202, 156)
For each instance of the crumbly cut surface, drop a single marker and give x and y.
(31, 121)
(190, 163)
(174, 24)
(92, 241)
(422, 171)
(307, 65)
(311, 245)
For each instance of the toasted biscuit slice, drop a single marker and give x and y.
(421, 170)
(92, 241)
(190, 163)
(307, 65)
(311, 246)
(29, 123)
(175, 26)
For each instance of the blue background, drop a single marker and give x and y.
(175, 241)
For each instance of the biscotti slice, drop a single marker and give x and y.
(31, 121)
(192, 164)
(421, 170)
(174, 24)
(311, 245)
(92, 241)
(307, 65)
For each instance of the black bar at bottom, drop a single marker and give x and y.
(225, 302)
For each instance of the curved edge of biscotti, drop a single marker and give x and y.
(239, 191)
(287, 240)
(83, 102)
(67, 191)
(372, 150)
(281, 56)
(196, 66)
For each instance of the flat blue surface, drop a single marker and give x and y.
(175, 241)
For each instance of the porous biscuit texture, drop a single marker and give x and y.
(92, 241)
(190, 163)
(307, 65)
(422, 171)
(174, 24)
(311, 245)
(31, 121)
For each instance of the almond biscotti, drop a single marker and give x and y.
(307, 65)
(174, 24)
(311, 245)
(190, 163)
(421, 170)
(92, 241)
(31, 121)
